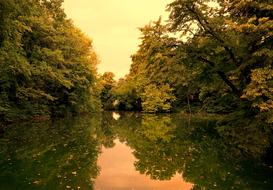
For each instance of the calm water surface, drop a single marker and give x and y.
(118, 172)
(133, 151)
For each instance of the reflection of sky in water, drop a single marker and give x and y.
(63, 154)
(118, 173)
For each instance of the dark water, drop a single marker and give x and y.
(140, 152)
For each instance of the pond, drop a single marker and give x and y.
(134, 151)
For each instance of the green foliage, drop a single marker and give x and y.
(106, 83)
(126, 96)
(213, 54)
(45, 61)
(260, 90)
(230, 45)
(154, 72)
(156, 99)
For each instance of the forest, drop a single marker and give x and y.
(210, 57)
(197, 101)
(48, 66)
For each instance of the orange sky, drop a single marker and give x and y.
(112, 25)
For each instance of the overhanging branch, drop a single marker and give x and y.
(223, 76)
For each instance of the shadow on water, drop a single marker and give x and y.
(63, 154)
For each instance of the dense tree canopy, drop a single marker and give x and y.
(212, 56)
(215, 56)
(47, 64)
(107, 82)
(231, 44)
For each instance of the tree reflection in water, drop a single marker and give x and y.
(59, 155)
(63, 154)
(205, 155)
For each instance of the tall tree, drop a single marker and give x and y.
(48, 65)
(233, 41)
(107, 83)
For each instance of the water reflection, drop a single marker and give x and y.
(62, 155)
(66, 154)
(118, 172)
(203, 155)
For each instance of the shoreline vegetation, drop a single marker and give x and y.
(210, 57)
(213, 58)
(200, 88)
(48, 66)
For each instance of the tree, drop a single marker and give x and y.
(231, 43)
(48, 65)
(157, 99)
(155, 71)
(126, 97)
(107, 83)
